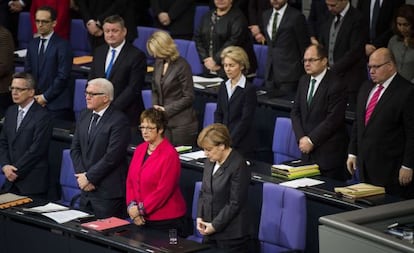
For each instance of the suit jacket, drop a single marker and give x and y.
(181, 13)
(238, 115)
(6, 59)
(349, 48)
(387, 141)
(383, 29)
(174, 91)
(53, 74)
(285, 54)
(127, 76)
(323, 121)
(223, 197)
(103, 157)
(27, 148)
(255, 11)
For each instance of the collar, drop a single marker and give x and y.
(387, 82)
(47, 37)
(345, 10)
(320, 76)
(27, 107)
(241, 83)
(118, 48)
(101, 112)
(281, 11)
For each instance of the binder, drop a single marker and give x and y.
(10, 199)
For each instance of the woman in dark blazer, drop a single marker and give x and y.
(236, 101)
(172, 89)
(222, 205)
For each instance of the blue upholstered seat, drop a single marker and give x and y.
(196, 235)
(285, 146)
(210, 109)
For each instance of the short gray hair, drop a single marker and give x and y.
(105, 85)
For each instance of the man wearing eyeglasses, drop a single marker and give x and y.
(318, 115)
(99, 152)
(382, 142)
(49, 60)
(24, 141)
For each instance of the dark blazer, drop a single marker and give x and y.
(318, 14)
(349, 49)
(103, 157)
(238, 115)
(6, 59)
(387, 141)
(285, 54)
(383, 29)
(27, 149)
(324, 123)
(53, 74)
(223, 197)
(255, 11)
(127, 76)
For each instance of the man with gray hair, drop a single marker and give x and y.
(99, 152)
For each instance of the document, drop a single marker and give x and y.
(302, 182)
(65, 216)
(50, 207)
(193, 155)
(105, 224)
(206, 82)
(21, 53)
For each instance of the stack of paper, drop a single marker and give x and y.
(192, 155)
(206, 82)
(360, 190)
(9, 199)
(56, 212)
(295, 169)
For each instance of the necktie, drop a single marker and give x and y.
(338, 20)
(42, 50)
(93, 124)
(372, 103)
(311, 90)
(375, 13)
(111, 62)
(274, 26)
(19, 118)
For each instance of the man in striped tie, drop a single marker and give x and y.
(382, 143)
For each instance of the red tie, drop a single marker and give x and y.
(372, 103)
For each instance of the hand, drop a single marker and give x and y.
(139, 220)
(82, 180)
(164, 18)
(254, 29)
(209, 63)
(90, 187)
(405, 177)
(159, 108)
(40, 100)
(260, 38)
(305, 145)
(314, 41)
(205, 228)
(351, 164)
(9, 172)
(133, 212)
(369, 49)
(15, 6)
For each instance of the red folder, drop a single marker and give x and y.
(104, 224)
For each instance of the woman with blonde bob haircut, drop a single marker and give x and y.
(222, 205)
(172, 89)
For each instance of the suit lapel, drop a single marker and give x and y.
(388, 93)
(27, 118)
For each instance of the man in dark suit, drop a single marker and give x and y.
(344, 36)
(24, 141)
(6, 68)
(381, 12)
(122, 64)
(382, 142)
(99, 152)
(287, 39)
(318, 115)
(9, 14)
(49, 60)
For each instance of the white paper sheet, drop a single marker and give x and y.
(302, 182)
(50, 207)
(193, 155)
(65, 216)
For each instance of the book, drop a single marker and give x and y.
(10, 199)
(105, 224)
(360, 190)
(299, 174)
(295, 169)
(79, 60)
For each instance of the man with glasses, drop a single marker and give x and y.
(99, 152)
(24, 141)
(318, 115)
(382, 142)
(49, 60)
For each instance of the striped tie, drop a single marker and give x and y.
(372, 103)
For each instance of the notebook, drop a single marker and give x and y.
(105, 224)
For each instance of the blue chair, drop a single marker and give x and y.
(68, 182)
(24, 30)
(197, 237)
(18, 69)
(200, 11)
(283, 220)
(188, 50)
(285, 146)
(2, 179)
(79, 101)
(141, 42)
(147, 98)
(261, 56)
(209, 111)
(79, 38)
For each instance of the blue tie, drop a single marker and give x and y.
(111, 62)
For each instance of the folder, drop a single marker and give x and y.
(360, 190)
(79, 60)
(105, 224)
(10, 199)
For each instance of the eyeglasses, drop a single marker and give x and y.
(17, 89)
(43, 22)
(142, 128)
(311, 60)
(93, 94)
(375, 67)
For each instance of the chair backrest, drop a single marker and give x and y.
(24, 30)
(68, 182)
(147, 98)
(200, 11)
(188, 50)
(196, 235)
(79, 38)
(2, 179)
(285, 146)
(261, 56)
(141, 42)
(283, 219)
(209, 111)
(79, 101)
